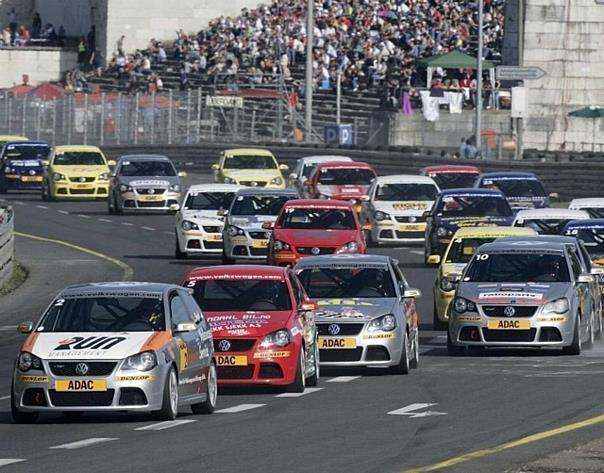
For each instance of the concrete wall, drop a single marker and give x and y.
(41, 64)
(565, 39)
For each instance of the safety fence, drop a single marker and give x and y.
(7, 248)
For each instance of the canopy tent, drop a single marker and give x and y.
(455, 60)
(594, 112)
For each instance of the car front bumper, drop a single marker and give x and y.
(442, 302)
(133, 201)
(384, 232)
(199, 242)
(69, 190)
(246, 248)
(20, 182)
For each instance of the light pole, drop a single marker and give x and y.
(478, 127)
(310, 24)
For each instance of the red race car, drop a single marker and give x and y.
(262, 322)
(452, 176)
(315, 227)
(340, 181)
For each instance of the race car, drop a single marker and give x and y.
(591, 233)
(367, 313)
(593, 206)
(459, 252)
(144, 182)
(340, 181)
(396, 206)
(458, 208)
(10, 138)
(314, 227)
(522, 293)
(452, 176)
(247, 228)
(249, 167)
(76, 172)
(548, 221)
(122, 346)
(263, 325)
(523, 190)
(200, 221)
(21, 165)
(304, 167)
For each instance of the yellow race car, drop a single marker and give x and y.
(459, 252)
(249, 167)
(8, 138)
(76, 172)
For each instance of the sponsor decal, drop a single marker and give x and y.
(272, 354)
(409, 206)
(196, 379)
(84, 295)
(149, 182)
(183, 355)
(332, 343)
(468, 318)
(136, 377)
(67, 385)
(33, 379)
(234, 277)
(380, 336)
(88, 343)
(531, 296)
(233, 322)
(344, 302)
(552, 319)
(231, 360)
(509, 324)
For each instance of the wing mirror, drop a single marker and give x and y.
(364, 198)
(434, 259)
(25, 327)
(598, 270)
(412, 293)
(293, 176)
(182, 174)
(427, 214)
(185, 327)
(45, 162)
(308, 306)
(111, 162)
(268, 225)
(585, 278)
(223, 212)
(554, 195)
(283, 167)
(215, 167)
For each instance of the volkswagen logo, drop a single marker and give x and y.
(333, 329)
(315, 251)
(224, 345)
(81, 369)
(412, 219)
(32, 172)
(254, 184)
(151, 191)
(509, 311)
(82, 179)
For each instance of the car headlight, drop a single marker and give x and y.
(104, 176)
(228, 180)
(350, 247)
(27, 361)
(277, 181)
(187, 225)
(57, 176)
(144, 361)
(559, 306)
(443, 232)
(379, 216)
(175, 188)
(281, 246)
(446, 284)
(463, 305)
(8, 170)
(233, 231)
(279, 338)
(125, 188)
(385, 323)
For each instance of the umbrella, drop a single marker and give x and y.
(592, 112)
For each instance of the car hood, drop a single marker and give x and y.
(353, 310)
(89, 346)
(252, 174)
(207, 217)
(416, 208)
(24, 165)
(456, 223)
(527, 203)
(345, 192)
(246, 324)
(86, 171)
(315, 237)
(251, 221)
(512, 293)
(135, 181)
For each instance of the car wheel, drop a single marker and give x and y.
(575, 347)
(177, 252)
(20, 417)
(111, 205)
(403, 365)
(209, 405)
(299, 383)
(438, 324)
(118, 210)
(169, 406)
(45, 192)
(414, 362)
(453, 350)
(427, 253)
(313, 380)
(592, 329)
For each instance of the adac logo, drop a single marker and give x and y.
(89, 343)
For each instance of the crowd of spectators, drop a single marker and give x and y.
(18, 35)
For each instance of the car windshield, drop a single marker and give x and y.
(104, 314)
(79, 158)
(473, 206)
(548, 226)
(515, 187)
(342, 177)
(26, 151)
(405, 192)
(317, 219)
(518, 267)
(147, 168)
(241, 295)
(593, 238)
(327, 283)
(249, 162)
(454, 180)
(247, 205)
(594, 212)
(462, 249)
(208, 200)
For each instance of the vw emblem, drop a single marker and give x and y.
(315, 251)
(32, 172)
(151, 191)
(412, 219)
(254, 184)
(224, 345)
(81, 369)
(267, 235)
(333, 329)
(82, 179)
(509, 311)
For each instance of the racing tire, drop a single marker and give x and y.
(427, 253)
(177, 252)
(438, 324)
(209, 405)
(453, 350)
(592, 330)
(20, 417)
(414, 362)
(313, 380)
(575, 347)
(299, 384)
(169, 406)
(116, 208)
(45, 192)
(111, 205)
(404, 364)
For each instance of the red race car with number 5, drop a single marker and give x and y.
(263, 325)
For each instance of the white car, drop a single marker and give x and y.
(304, 167)
(396, 206)
(548, 221)
(594, 206)
(200, 221)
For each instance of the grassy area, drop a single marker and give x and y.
(19, 276)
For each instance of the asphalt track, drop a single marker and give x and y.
(466, 414)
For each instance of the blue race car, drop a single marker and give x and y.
(21, 166)
(457, 208)
(523, 190)
(591, 233)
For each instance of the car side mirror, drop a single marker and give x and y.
(367, 227)
(454, 278)
(223, 213)
(309, 306)
(182, 174)
(585, 278)
(25, 327)
(45, 162)
(215, 167)
(427, 214)
(597, 270)
(111, 162)
(364, 198)
(185, 327)
(412, 293)
(283, 167)
(293, 176)
(554, 195)
(268, 225)
(434, 259)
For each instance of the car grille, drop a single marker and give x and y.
(237, 344)
(83, 399)
(499, 310)
(81, 179)
(251, 183)
(345, 329)
(235, 372)
(148, 205)
(258, 252)
(96, 368)
(260, 235)
(270, 371)
(81, 191)
(208, 229)
(307, 250)
(410, 234)
(212, 245)
(406, 219)
(150, 191)
(341, 355)
(512, 336)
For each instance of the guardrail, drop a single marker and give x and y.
(7, 247)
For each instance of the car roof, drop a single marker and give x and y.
(26, 143)
(214, 188)
(553, 239)
(515, 175)
(345, 165)
(311, 261)
(520, 244)
(493, 232)
(451, 168)
(319, 203)
(586, 223)
(404, 179)
(472, 191)
(248, 152)
(235, 271)
(119, 287)
(587, 202)
(77, 148)
(266, 191)
(551, 213)
(324, 159)
(144, 157)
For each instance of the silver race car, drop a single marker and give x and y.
(367, 314)
(523, 293)
(116, 347)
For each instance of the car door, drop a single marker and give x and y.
(205, 347)
(583, 289)
(403, 306)
(187, 343)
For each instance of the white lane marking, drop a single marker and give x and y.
(64, 212)
(417, 252)
(166, 425)
(239, 408)
(41, 206)
(342, 379)
(8, 328)
(3, 398)
(306, 391)
(169, 233)
(104, 220)
(411, 408)
(82, 443)
(10, 461)
(83, 216)
(128, 224)
(151, 229)
(18, 202)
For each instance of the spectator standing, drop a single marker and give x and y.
(6, 37)
(82, 51)
(91, 41)
(61, 37)
(120, 45)
(36, 26)
(24, 36)
(12, 24)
